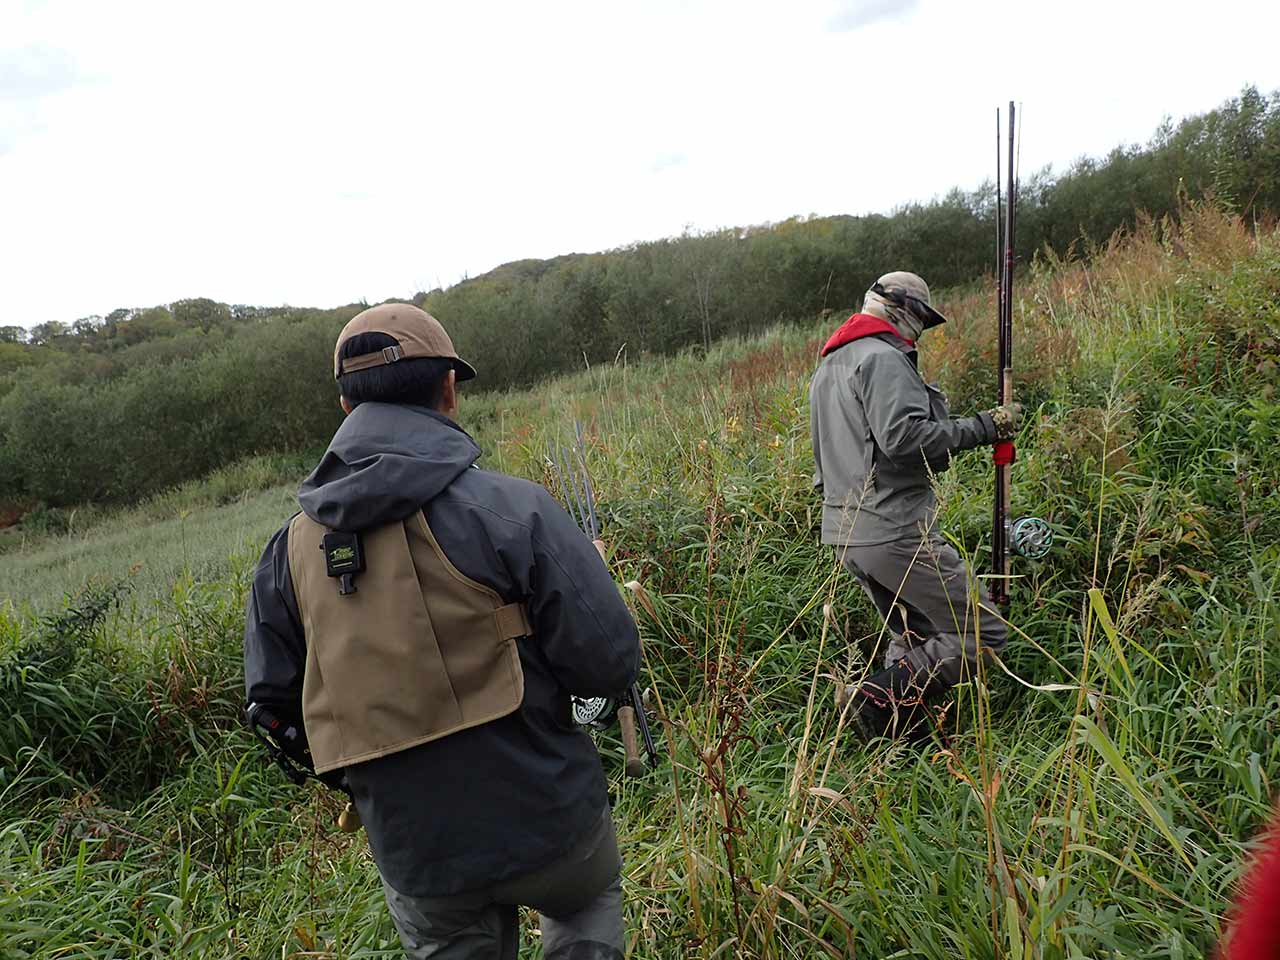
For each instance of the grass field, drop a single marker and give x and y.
(1094, 794)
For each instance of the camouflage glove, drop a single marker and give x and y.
(1005, 420)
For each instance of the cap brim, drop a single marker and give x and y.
(934, 317)
(463, 370)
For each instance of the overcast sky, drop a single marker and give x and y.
(319, 154)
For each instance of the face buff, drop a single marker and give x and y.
(902, 316)
(902, 299)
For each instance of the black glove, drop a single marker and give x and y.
(285, 739)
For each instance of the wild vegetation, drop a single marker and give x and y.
(1091, 797)
(117, 408)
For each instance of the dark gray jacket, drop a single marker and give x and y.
(878, 432)
(509, 796)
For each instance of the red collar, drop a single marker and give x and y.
(858, 326)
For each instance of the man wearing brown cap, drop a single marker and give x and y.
(879, 434)
(422, 621)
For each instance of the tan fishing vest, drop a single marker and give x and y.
(418, 652)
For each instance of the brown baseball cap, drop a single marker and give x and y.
(417, 334)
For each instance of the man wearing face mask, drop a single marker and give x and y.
(879, 434)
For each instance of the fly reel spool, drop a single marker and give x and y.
(592, 711)
(1031, 537)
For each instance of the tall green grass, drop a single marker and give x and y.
(1092, 794)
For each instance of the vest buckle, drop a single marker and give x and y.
(343, 559)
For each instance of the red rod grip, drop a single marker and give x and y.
(1004, 453)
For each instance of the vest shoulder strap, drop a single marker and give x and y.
(512, 618)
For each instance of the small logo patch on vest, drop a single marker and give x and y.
(343, 559)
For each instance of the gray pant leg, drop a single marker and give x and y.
(936, 592)
(579, 898)
(901, 620)
(905, 624)
(593, 933)
(467, 926)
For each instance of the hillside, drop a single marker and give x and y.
(1094, 797)
(115, 409)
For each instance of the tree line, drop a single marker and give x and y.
(115, 407)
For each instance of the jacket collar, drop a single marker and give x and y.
(858, 326)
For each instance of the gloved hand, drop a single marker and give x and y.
(1006, 419)
(284, 734)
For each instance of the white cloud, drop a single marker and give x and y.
(320, 153)
(29, 77)
(667, 161)
(34, 71)
(854, 14)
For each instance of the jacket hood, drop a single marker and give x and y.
(383, 464)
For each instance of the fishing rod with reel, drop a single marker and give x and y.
(574, 482)
(1028, 537)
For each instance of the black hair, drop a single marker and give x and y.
(418, 381)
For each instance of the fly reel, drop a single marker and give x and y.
(592, 711)
(1030, 537)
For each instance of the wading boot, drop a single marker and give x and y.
(893, 703)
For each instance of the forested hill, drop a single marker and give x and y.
(116, 407)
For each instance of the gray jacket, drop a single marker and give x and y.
(507, 797)
(879, 431)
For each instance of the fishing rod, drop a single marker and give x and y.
(574, 481)
(1029, 537)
